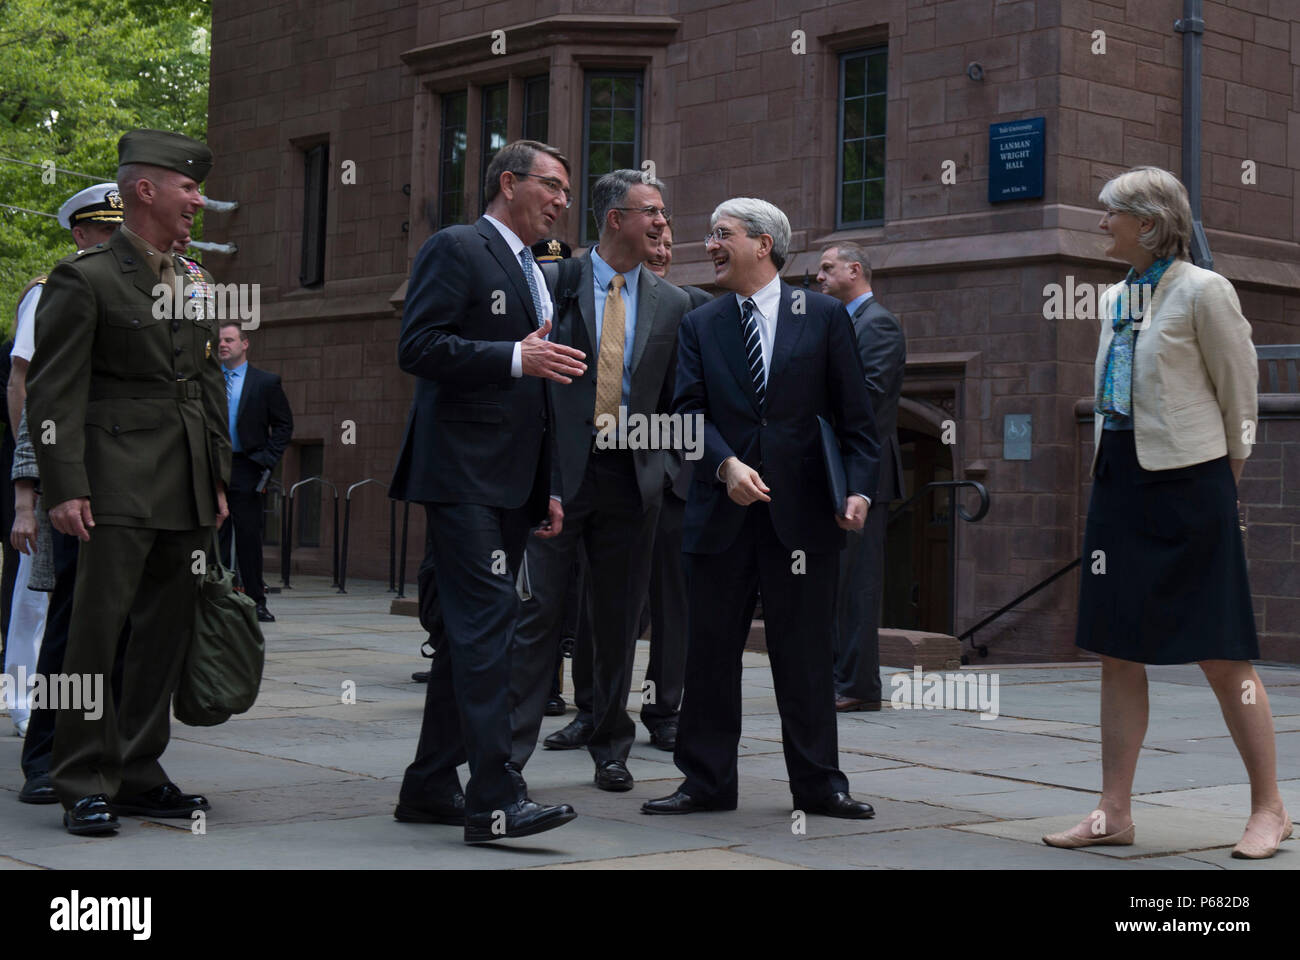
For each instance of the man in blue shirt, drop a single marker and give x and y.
(261, 425)
(609, 478)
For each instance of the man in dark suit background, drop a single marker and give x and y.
(616, 311)
(759, 367)
(845, 274)
(477, 455)
(666, 670)
(261, 425)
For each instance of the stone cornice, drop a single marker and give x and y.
(573, 29)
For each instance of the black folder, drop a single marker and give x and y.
(831, 457)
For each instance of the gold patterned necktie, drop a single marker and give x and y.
(609, 365)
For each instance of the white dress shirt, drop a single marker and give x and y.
(767, 304)
(515, 244)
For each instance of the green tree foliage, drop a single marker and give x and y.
(74, 76)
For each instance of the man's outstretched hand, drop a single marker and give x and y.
(538, 357)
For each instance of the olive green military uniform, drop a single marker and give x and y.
(127, 408)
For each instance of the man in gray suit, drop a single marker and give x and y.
(609, 481)
(845, 273)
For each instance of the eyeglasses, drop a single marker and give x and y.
(649, 211)
(551, 184)
(720, 235)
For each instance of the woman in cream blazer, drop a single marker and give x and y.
(1164, 570)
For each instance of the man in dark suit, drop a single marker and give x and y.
(666, 670)
(612, 308)
(261, 425)
(477, 455)
(845, 274)
(759, 367)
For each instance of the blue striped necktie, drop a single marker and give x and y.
(753, 350)
(526, 257)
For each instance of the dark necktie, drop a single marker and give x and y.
(753, 349)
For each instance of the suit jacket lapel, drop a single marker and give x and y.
(727, 330)
(587, 302)
(647, 301)
(244, 392)
(499, 249)
(789, 328)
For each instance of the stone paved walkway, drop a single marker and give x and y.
(307, 780)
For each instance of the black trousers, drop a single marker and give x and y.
(476, 555)
(666, 671)
(607, 517)
(38, 747)
(246, 520)
(577, 624)
(857, 608)
(797, 611)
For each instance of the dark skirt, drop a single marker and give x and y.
(1174, 587)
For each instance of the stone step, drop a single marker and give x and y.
(898, 648)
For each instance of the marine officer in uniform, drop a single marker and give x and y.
(127, 405)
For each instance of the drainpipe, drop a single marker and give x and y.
(1191, 26)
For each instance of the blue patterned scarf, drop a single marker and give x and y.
(1115, 400)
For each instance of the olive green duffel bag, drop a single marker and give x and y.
(223, 668)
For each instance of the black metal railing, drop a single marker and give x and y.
(401, 556)
(969, 634)
(347, 524)
(955, 510)
(286, 536)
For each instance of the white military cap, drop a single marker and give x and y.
(98, 204)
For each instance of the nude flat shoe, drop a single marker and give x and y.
(1257, 850)
(1069, 841)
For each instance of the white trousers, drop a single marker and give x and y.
(23, 643)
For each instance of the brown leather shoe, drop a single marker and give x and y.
(850, 705)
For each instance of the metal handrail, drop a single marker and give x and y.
(401, 557)
(982, 649)
(347, 523)
(286, 547)
(955, 509)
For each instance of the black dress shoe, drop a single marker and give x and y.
(843, 806)
(38, 789)
(420, 676)
(576, 734)
(664, 736)
(90, 816)
(613, 775)
(555, 707)
(164, 800)
(520, 819)
(681, 802)
(264, 615)
(450, 810)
